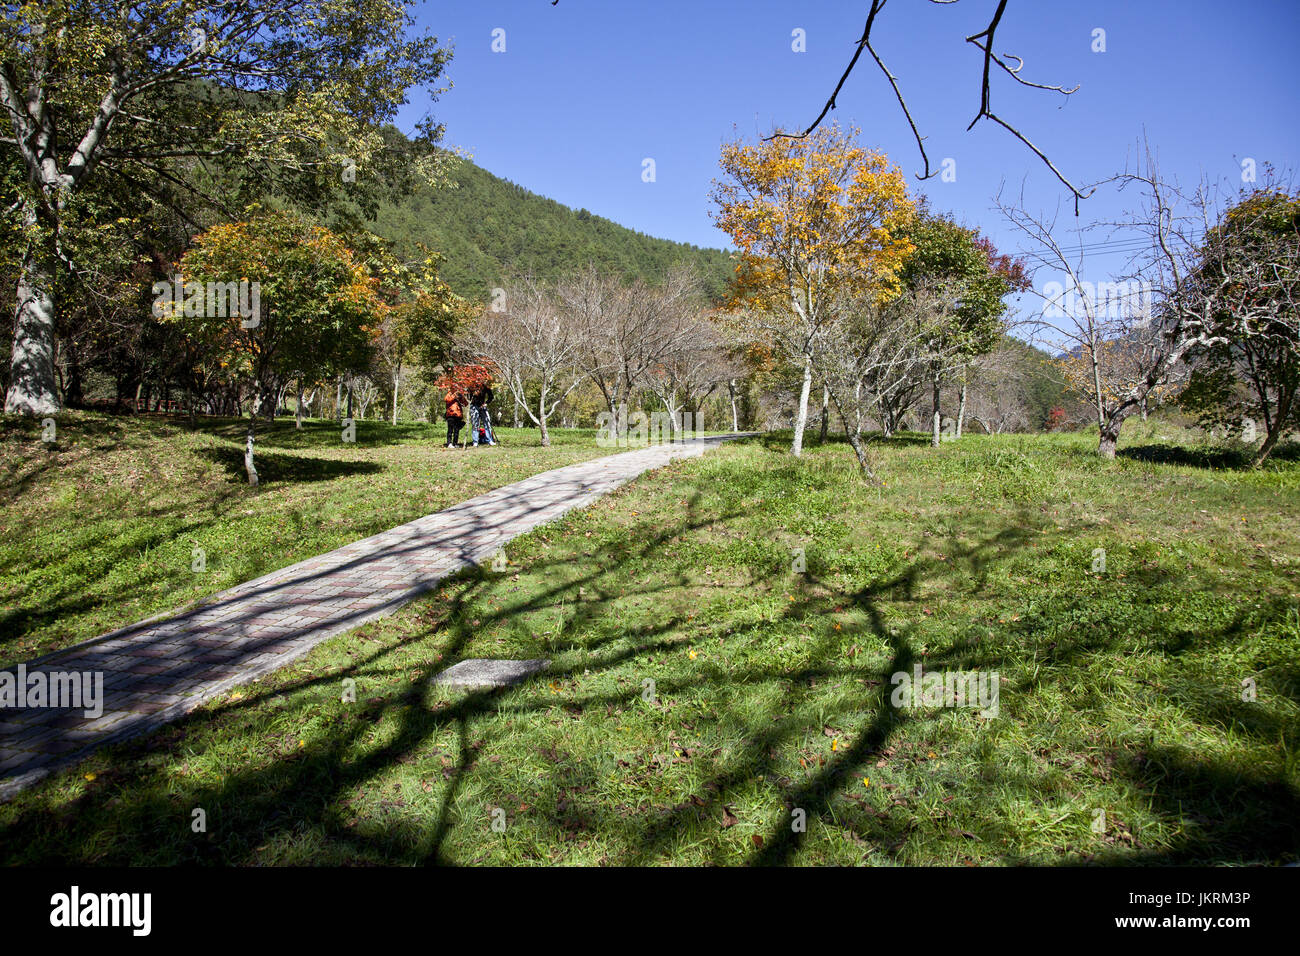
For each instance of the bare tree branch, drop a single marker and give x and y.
(982, 41)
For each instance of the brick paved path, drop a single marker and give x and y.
(160, 669)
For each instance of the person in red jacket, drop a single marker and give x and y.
(455, 416)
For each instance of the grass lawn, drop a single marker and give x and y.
(705, 697)
(98, 529)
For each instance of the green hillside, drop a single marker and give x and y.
(487, 224)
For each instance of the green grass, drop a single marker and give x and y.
(1120, 690)
(99, 529)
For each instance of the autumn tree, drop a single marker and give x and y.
(814, 220)
(157, 94)
(306, 303)
(420, 314)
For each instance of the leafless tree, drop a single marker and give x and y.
(871, 352)
(627, 329)
(1132, 332)
(691, 370)
(533, 342)
(366, 391)
(998, 395)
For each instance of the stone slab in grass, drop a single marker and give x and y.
(488, 672)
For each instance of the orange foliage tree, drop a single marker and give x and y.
(817, 222)
(313, 306)
(468, 378)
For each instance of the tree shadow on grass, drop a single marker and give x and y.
(1215, 457)
(1231, 813)
(324, 433)
(780, 440)
(272, 466)
(304, 794)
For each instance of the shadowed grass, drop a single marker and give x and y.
(100, 528)
(706, 697)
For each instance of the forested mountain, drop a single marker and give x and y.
(486, 225)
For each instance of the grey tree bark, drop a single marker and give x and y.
(935, 422)
(31, 368)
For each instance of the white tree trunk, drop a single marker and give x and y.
(801, 413)
(248, 444)
(397, 376)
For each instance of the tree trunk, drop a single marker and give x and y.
(1096, 384)
(74, 393)
(541, 416)
(857, 403)
(248, 445)
(735, 419)
(1270, 440)
(855, 442)
(961, 409)
(397, 380)
(297, 414)
(1109, 436)
(1273, 425)
(31, 369)
(934, 418)
(675, 423)
(801, 413)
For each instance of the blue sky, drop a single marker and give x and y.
(588, 89)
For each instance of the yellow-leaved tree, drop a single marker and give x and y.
(816, 221)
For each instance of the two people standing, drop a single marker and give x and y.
(480, 417)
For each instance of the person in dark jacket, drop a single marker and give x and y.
(480, 419)
(455, 416)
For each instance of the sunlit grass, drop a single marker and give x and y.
(1122, 735)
